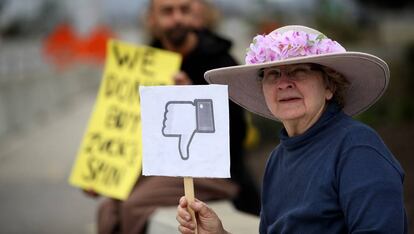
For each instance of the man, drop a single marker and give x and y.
(170, 25)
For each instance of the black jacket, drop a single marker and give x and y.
(212, 52)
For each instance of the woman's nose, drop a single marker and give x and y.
(284, 82)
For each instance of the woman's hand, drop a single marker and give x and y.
(207, 220)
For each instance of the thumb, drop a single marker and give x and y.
(184, 145)
(207, 219)
(202, 209)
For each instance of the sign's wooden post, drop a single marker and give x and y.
(189, 194)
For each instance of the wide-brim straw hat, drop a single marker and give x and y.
(367, 74)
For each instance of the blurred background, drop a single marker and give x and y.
(51, 61)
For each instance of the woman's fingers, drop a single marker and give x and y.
(183, 202)
(207, 219)
(184, 217)
(182, 209)
(185, 230)
(184, 223)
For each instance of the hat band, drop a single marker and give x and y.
(277, 46)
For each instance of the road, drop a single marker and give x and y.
(35, 196)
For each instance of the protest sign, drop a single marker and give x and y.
(109, 159)
(185, 131)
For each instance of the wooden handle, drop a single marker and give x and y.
(189, 194)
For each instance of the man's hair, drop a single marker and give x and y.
(211, 15)
(150, 5)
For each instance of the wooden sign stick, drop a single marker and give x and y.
(189, 194)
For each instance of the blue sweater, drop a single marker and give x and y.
(337, 177)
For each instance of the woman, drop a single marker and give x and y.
(330, 173)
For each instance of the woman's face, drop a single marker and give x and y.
(295, 92)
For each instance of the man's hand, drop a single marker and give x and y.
(90, 193)
(181, 78)
(207, 220)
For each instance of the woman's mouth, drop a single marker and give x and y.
(289, 99)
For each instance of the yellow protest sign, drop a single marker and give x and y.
(109, 159)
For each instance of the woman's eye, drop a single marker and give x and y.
(298, 72)
(274, 74)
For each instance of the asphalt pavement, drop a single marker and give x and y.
(35, 164)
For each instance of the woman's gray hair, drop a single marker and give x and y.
(337, 83)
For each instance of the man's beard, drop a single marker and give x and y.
(177, 35)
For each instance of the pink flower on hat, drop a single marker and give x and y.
(277, 46)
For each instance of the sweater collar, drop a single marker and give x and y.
(332, 110)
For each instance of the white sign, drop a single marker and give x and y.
(185, 130)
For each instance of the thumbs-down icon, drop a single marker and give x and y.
(183, 119)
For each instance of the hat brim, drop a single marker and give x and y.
(368, 76)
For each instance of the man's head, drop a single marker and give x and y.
(170, 20)
(205, 14)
